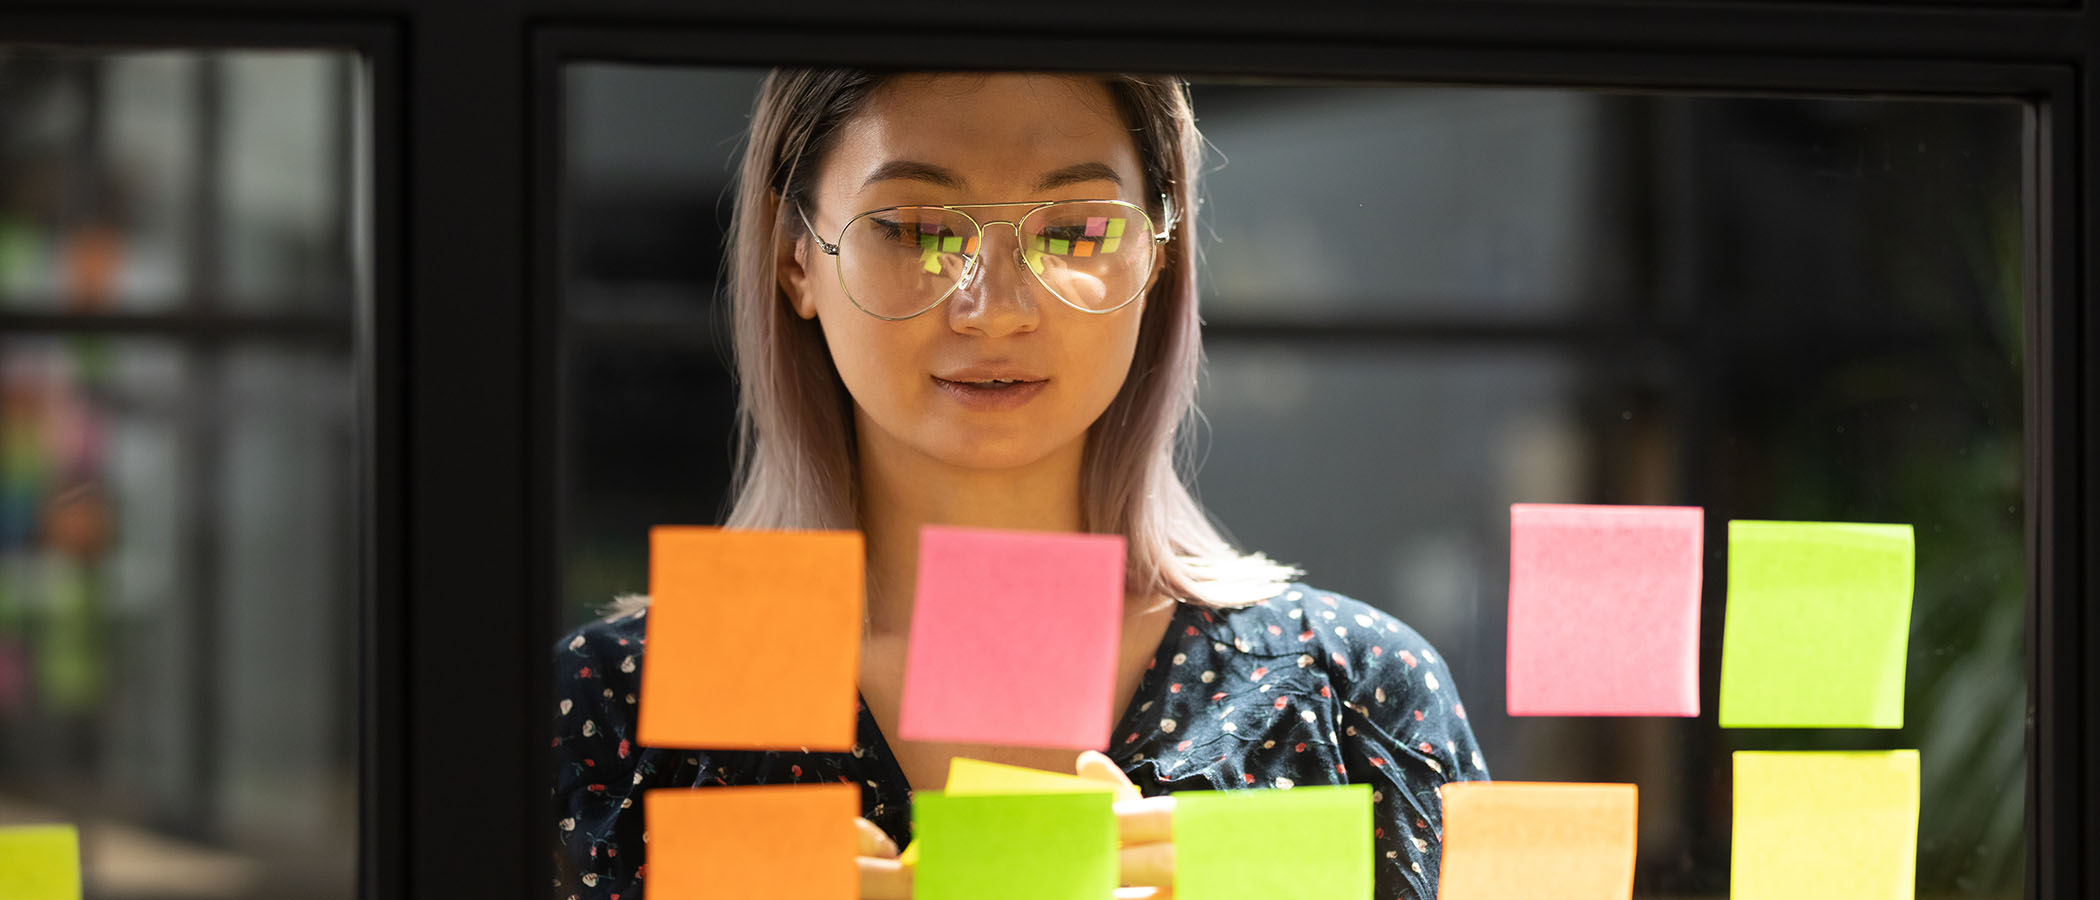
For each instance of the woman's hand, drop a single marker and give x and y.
(882, 877)
(1144, 828)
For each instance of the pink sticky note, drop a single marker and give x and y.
(1013, 639)
(1604, 610)
(1095, 225)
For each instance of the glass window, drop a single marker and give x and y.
(177, 516)
(1424, 304)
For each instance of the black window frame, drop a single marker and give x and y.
(457, 349)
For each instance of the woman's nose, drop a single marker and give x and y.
(995, 299)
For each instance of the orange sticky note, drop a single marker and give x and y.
(1514, 840)
(711, 680)
(782, 842)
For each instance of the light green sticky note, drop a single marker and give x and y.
(971, 777)
(1818, 624)
(1310, 841)
(951, 244)
(1825, 826)
(40, 862)
(1059, 846)
(1115, 227)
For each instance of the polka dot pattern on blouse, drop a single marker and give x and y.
(1308, 687)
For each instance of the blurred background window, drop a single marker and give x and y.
(1424, 304)
(179, 265)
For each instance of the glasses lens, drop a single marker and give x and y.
(1095, 255)
(897, 262)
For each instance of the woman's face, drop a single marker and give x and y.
(920, 385)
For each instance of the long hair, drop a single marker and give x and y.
(795, 462)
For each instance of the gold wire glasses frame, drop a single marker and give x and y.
(971, 259)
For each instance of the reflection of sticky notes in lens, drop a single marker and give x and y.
(1037, 243)
(930, 226)
(966, 679)
(971, 247)
(1519, 840)
(1095, 225)
(1060, 247)
(40, 862)
(929, 243)
(1055, 846)
(1035, 261)
(1082, 248)
(1110, 245)
(1604, 610)
(1229, 845)
(930, 260)
(1114, 229)
(1818, 622)
(1825, 826)
(951, 244)
(707, 683)
(785, 841)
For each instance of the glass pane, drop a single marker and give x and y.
(1425, 304)
(166, 180)
(177, 517)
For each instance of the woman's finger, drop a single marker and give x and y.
(884, 879)
(1145, 821)
(1094, 766)
(1148, 865)
(873, 840)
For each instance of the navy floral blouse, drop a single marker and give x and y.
(1308, 687)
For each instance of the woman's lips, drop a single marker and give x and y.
(986, 397)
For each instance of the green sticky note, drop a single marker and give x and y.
(951, 244)
(1111, 245)
(1014, 846)
(1060, 247)
(1310, 841)
(1115, 228)
(1818, 624)
(40, 862)
(1825, 826)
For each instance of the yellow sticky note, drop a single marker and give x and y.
(1511, 840)
(975, 777)
(1835, 825)
(40, 862)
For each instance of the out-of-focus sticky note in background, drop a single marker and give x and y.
(1310, 841)
(789, 841)
(1818, 622)
(975, 777)
(710, 682)
(1013, 638)
(1510, 840)
(1604, 610)
(1825, 826)
(40, 862)
(1058, 846)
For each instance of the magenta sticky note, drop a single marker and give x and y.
(1013, 638)
(1604, 610)
(1095, 225)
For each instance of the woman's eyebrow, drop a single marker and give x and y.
(912, 170)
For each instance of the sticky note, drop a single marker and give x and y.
(40, 862)
(952, 244)
(1095, 225)
(930, 260)
(1115, 228)
(1818, 625)
(1013, 638)
(1825, 826)
(789, 841)
(711, 681)
(1604, 610)
(1110, 245)
(1511, 840)
(1060, 246)
(1014, 846)
(975, 777)
(1312, 841)
(1082, 248)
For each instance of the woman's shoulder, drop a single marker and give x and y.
(609, 643)
(1302, 617)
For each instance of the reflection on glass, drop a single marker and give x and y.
(176, 520)
(1428, 303)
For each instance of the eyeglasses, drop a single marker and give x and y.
(900, 261)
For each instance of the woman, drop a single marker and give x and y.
(971, 299)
